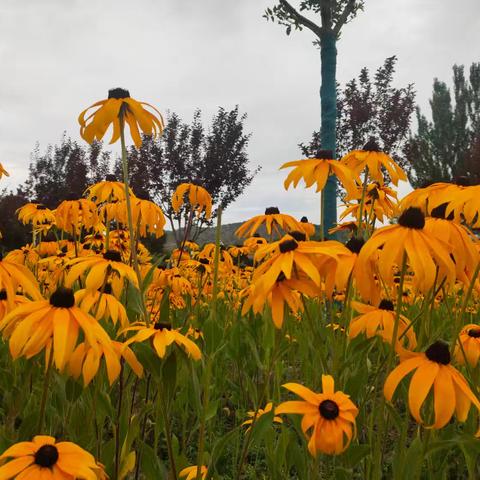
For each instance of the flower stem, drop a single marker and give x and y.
(46, 384)
(133, 250)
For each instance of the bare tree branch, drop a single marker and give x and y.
(317, 30)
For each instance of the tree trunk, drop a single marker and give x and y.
(328, 103)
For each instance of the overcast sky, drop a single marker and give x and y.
(59, 56)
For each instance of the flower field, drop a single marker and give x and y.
(293, 355)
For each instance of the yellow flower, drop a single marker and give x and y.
(259, 413)
(103, 303)
(317, 170)
(199, 199)
(119, 106)
(372, 158)
(43, 459)
(85, 361)
(469, 339)
(331, 415)
(108, 190)
(380, 321)
(73, 215)
(191, 473)
(163, 336)
(451, 393)
(101, 267)
(386, 248)
(54, 323)
(146, 215)
(35, 213)
(272, 219)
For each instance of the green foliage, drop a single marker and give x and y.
(448, 147)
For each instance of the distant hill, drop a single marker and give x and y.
(208, 236)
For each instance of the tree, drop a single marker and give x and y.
(14, 234)
(448, 147)
(368, 108)
(333, 15)
(215, 159)
(64, 171)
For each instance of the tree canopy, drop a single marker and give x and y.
(448, 146)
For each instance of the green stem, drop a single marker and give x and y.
(133, 250)
(46, 384)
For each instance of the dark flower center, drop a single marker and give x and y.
(438, 352)
(98, 236)
(118, 93)
(46, 456)
(112, 255)
(386, 305)
(162, 326)
(298, 236)
(204, 261)
(62, 298)
(372, 145)
(441, 212)
(288, 246)
(412, 217)
(324, 155)
(110, 178)
(3, 294)
(329, 409)
(473, 332)
(304, 220)
(272, 211)
(355, 244)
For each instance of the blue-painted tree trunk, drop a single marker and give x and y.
(328, 103)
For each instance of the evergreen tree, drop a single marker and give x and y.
(448, 146)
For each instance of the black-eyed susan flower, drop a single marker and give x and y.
(307, 227)
(117, 109)
(191, 473)
(451, 393)
(374, 159)
(14, 276)
(146, 215)
(199, 199)
(469, 339)
(73, 215)
(256, 415)
(102, 304)
(283, 292)
(387, 246)
(43, 458)
(462, 242)
(163, 336)
(85, 361)
(430, 197)
(381, 321)
(55, 323)
(273, 220)
(36, 214)
(108, 190)
(99, 268)
(317, 170)
(331, 415)
(6, 307)
(282, 256)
